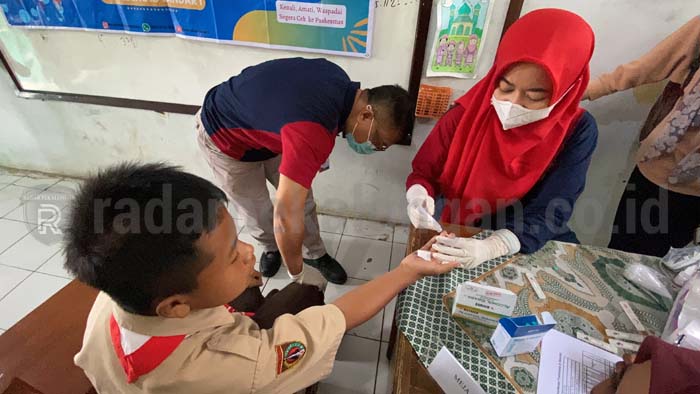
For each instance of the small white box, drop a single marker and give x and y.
(483, 304)
(517, 335)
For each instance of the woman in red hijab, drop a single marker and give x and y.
(512, 154)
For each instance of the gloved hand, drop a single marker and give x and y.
(421, 208)
(472, 252)
(310, 276)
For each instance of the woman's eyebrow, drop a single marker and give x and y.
(507, 81)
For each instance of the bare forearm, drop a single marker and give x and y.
(289, 234)
(361, 304)
(670, 58)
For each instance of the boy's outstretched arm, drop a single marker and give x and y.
(361, 304)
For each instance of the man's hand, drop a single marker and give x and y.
(310, 276)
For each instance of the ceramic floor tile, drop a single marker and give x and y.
(401, 234)
(355, 368)
(13, 196)
(369, 229)
(43, 206)
(33, 214)
(232, 210)
(331, 224)
(388, 320)
(364, 258)
(32, 251)
(28, 295)
(54, 266)
(331, 241)
(240, 225)
(398, 252)
(19, 215)
(385, 380)
(37, 183)
(68, 186)
(372, 329)
(8, 178)
(11, 232)
(10, 277)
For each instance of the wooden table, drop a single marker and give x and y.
(410, 376)
(36, 354)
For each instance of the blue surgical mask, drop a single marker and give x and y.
(363, 148)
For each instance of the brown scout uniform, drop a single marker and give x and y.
(209, 351)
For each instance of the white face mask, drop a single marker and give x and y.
(514, 115)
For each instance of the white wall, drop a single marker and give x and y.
(75, 139)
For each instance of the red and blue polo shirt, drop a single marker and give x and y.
(294, 107)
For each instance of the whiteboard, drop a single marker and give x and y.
(176, 70)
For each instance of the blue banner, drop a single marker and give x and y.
(329, 26)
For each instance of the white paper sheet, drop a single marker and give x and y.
(571, 366)
(451, 375)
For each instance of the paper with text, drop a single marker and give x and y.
(571, 366)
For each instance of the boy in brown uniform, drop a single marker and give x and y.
(161, 246)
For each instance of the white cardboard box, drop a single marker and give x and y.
(483, 304)
(517, 335)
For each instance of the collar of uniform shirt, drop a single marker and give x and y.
(161, 326)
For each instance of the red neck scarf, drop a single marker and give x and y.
(488, 168)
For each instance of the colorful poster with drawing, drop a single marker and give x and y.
(461, 26)
(340, 27)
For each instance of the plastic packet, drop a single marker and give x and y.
(683, 324)
(678, 259)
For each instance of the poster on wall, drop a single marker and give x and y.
(461, 27)
(339, 27)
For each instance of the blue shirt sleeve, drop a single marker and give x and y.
(543, 213)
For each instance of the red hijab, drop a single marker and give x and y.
(488, 168)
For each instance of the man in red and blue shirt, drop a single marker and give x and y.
(277, 122)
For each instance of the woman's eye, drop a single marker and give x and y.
(537, 99)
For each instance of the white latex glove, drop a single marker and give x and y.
(310, 276)
(421, 208)
(472, 252)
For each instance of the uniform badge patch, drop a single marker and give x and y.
(289, 354)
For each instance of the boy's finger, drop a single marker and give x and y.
(442, 268)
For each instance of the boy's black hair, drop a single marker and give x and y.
(133, 230)
(394, 101)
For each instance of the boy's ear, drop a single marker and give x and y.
(175, 306)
